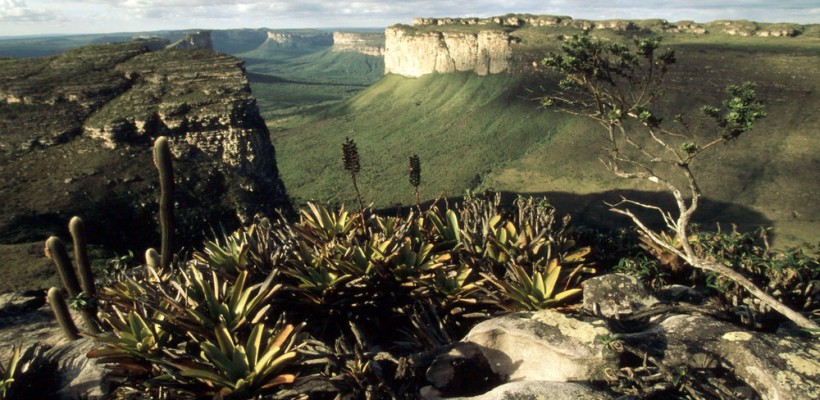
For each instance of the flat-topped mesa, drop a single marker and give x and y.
(291, 39)
(195, 41)
(367, 43)
(414, 54)
(511, 42)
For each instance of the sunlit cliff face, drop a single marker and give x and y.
(416, 54)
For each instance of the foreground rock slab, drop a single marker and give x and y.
(520, 345)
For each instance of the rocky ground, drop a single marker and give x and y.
(623, 341)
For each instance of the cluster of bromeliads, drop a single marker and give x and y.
(347, 304)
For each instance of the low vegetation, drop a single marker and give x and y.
(284, 309)
(489, 133)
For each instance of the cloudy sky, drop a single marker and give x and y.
(33, 17)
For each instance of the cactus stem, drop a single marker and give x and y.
(55, 249)
(162, 160)
(58, 306)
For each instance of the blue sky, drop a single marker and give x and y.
(32, 17)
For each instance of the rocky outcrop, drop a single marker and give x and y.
(616, 295)
(779, 30)
(370, 43)
(552, 355)
(411, 53)
(518, 345)
(207, 111)
(78, 143)
(194, 41)
(686, 27)
(736, 28)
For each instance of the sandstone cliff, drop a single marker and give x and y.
(510, 43)
(371, 44)
(77, 130)
(414, 54)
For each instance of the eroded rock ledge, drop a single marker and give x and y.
(78, 129)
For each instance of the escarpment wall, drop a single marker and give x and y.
(511, 43)
(414, 54)
(371, 44)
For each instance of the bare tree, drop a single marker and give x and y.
(616, 85)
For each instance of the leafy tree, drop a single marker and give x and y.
(616, 85)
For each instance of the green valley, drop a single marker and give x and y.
(477, 133)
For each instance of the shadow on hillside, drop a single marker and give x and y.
(591, 209)
(273, 79)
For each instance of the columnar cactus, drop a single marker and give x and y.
(162, 160)
(77, 229)
(58, 306)
(55, 250)
(152, 258)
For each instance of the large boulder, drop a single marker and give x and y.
(520, 346)
(539, 351)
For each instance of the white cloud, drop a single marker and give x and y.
(18, 11)
(140, 15)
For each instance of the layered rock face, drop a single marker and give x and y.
(414, 54)
(76, 140)
(371, 44)
(207, 111)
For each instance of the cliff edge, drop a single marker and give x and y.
(77, 130)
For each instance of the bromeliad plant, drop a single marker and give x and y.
(540, 288)
(233, 368)
(207, 303)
